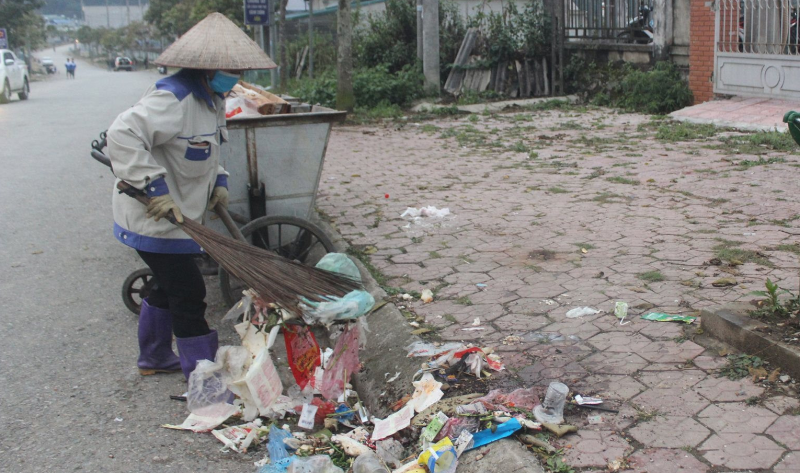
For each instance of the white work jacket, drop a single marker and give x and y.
(167, 143)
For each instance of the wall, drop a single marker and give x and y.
(114, 16)
(701, 51)
(681, 10)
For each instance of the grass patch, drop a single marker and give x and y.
(759, 143)
(588, 246)
(749, 163)
(519, 147)
(554, 104)
(623, 180)
(673, 131)
(463, 301)
(651, 276)
(792, 248)
(608, 198)
(738, 366)
(361, 255)
(557, 190)
(729, 252)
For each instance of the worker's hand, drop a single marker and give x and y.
(161, 206)
(218, 196)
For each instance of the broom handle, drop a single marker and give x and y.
(223, 213)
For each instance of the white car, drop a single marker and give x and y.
(13, 77)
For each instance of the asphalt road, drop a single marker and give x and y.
(71, 398)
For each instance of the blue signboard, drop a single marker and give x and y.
(3, 39)
(256, 12)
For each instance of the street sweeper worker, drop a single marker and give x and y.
(168, 145)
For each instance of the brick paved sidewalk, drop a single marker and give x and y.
(746, 113)
(557, 209)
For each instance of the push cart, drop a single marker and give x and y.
(275, 163)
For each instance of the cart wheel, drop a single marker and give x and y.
(291, 237)
(136, 287)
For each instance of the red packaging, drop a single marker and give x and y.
(303, 351)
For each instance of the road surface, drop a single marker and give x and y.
(71, 398)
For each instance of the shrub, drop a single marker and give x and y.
(373, 87)
(390, 39)
(659, 91)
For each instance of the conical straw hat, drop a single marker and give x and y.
(215, 43)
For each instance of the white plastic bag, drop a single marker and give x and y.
(240, 107)
(581, 312)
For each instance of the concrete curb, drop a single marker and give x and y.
(731, 325)
(386, 355)
(727, 124)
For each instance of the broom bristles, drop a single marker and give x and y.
(274, 278)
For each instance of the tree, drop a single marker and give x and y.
(283, 61)
(175, 17)
(345, 100)
(21, 22)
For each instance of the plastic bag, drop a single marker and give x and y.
(455, 425)
(524, 398)
(343, 363)
(368, 463)
(391, 452)
(314, 464)
(429, 211)
(279, 466)
(352, 306)
(208, 383)
(303, 352)
(241, 107)
(339, 263)
(581, 312)
(275, 446)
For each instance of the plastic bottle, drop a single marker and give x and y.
(368, 463)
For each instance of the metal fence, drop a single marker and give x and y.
(758, 27)
(619, 21)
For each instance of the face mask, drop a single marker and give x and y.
(223, 82)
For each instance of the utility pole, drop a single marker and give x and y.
(108, 16)
(345, 100)
(128, 11)
(419, 30)
(310, 39)
(273, 73)
(430, 41)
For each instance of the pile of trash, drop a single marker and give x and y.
(319, 423)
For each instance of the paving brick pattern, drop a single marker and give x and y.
(561, 209)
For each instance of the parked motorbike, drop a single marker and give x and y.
(640, 29)
(162, 70)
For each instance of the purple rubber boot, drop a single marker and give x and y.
(193, 349)
(155, 341)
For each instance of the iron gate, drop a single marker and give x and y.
(756, 48)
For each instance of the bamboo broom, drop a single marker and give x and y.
(274, 278)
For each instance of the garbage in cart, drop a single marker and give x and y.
(318, 423)
(250, 101)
